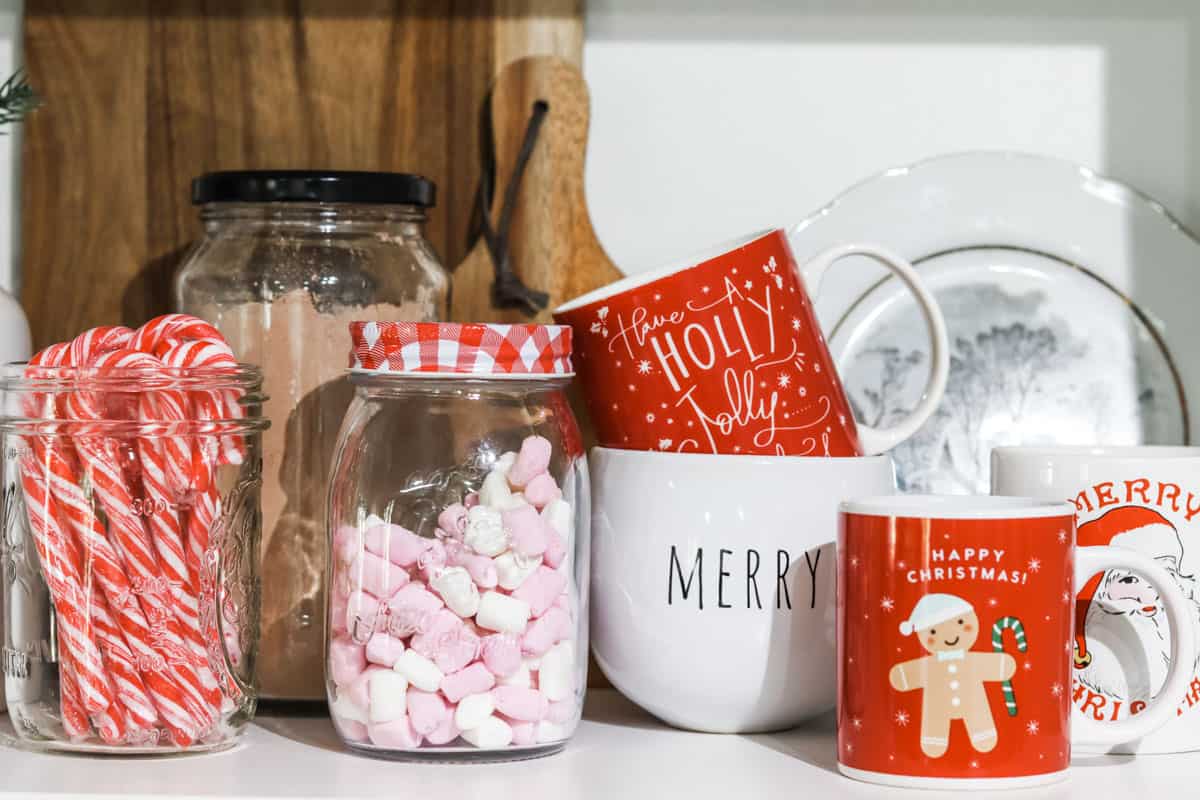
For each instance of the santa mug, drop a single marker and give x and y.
(722, 353)
(1146, 499)
(955, 640)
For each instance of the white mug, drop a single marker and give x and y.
(713, 582)
(1147, 499)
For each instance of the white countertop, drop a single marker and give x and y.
(619, 752)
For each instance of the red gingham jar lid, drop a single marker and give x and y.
(462, 349)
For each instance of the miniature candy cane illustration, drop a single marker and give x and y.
(1010, 699)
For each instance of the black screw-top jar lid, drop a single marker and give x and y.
(313, 186)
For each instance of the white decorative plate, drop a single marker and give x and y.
(1070, 301)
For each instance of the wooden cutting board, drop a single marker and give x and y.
(554, 248)
(142, 96)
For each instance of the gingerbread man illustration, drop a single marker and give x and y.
(951, 676)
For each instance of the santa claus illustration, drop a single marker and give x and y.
(1122, 638)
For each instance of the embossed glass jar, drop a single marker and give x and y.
(130, 556)
(459, 517)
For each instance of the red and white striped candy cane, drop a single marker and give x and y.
(154, 636)
(212, 355)
(122, 667)
(60, 566)
(172, 326)
(74, 717)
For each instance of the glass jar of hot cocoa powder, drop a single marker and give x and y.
(286, 261)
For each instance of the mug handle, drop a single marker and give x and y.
(879, 440)
(1160, 710)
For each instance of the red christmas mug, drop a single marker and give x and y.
(723, 354)
(955, 635)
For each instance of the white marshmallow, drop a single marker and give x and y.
(485, 530)
(558, 514)
(521, 677)
(494, 490)
(389, 696)
(456, 587)
(419, 671)
(499, 612)
(549, 732)
(556, 678)
(472, 710)
(504, 462)
(512, 569)
(490, 734)
(345, 710)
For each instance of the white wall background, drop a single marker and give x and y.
(714, 119)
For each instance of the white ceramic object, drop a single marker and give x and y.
(1068, 297)
(672, 531)
(15, 344)
(1146, 499)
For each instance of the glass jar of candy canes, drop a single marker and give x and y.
(131, 525)
(458, 529)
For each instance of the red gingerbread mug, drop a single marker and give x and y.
(723, 354)
(955, 638)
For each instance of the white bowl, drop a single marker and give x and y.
(760, 654)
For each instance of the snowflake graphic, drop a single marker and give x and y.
(704, 289)
(762, 384)
(657, 296)
(749, 285)
(689, 423)
(1056, 690)
(993, 602)
(802, 391)
(856, 722)
(816, 367)
(1028, 665)
(901, 718)
(849, 747)
(887, 604)
(1062, 537)
(650, 416)
(644, 367)
(784, 380)
(1034, 564)
(974, 765)
(664, 444)
(737, 448)
(670, 420)
(1066, 598)
(796, 323)
(1032, 727)
(854, 561)
(901, 565)
(632, 388)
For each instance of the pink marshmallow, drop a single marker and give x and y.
(501, 653)
(473, 679)
(397, 734)
(347, 543)
(556, 548)
(350, 730)
(541, 589)
(446, 641)
(362, 612)
(384, 649)
(523, 732)
(378, 576)
(347, 661)
(526, 530)
(546, 631)
(410, 608)
(471, 500)
(337, 611)
(531, 461)
(432, 559)
(526, 705)
(561, 712)
(397, 544)
(453, 520)
(445, 733)
(426, 710)
(481, 568)
(541, 490)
